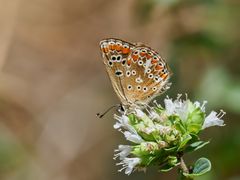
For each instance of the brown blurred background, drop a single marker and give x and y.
(53, 82)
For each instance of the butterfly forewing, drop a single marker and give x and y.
(137, 72)
(115, 53)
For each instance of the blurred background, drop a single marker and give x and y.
(53, 82)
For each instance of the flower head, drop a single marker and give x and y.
(158, 134)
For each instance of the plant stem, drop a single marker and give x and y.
(183, 166)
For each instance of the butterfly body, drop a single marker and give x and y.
(137, 72)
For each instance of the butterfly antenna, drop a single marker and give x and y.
(100, 115)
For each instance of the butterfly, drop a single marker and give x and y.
(137, 72)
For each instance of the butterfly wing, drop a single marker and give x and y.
(137, 72)
(115, 53)
(149, 75)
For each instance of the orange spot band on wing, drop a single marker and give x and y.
(111, 47)
(142, 53)
(154, 61)
(135, 57)
(148, 56)
(164, 76)
(125, 50)
(114, 47)
(105, 50)
(158, 67)
(129, 62)
(118, 47)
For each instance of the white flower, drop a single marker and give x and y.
(169, 106)
(129, 164)
(123, 121)
(155, 116)
(198, 105)
(140, 113)
(122, 152)
(133, 137)
(181, 109)
(178, 107)
(214, 119)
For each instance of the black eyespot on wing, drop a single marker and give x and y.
(123, 62)
(118, 73)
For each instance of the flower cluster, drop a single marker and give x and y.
(161, 135)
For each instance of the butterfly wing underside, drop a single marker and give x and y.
(137, 73)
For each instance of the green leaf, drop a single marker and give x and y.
(159, 110)
(171, 149)
(179, 126)
(166, 168)
(195, 146)
(147, 160)
(171, 162)
(184, 141)
(201, 166)
(132, 119)
(194, 121)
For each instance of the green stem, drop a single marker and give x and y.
(184, 169)
(183, 166)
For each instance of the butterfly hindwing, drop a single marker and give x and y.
(150, 77)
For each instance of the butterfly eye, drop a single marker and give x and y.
(129, 87)
(145, 89)
(140, 63)
(128, 73)
(134, 72)
(150, 76)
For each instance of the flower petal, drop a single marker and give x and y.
(213, 119)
